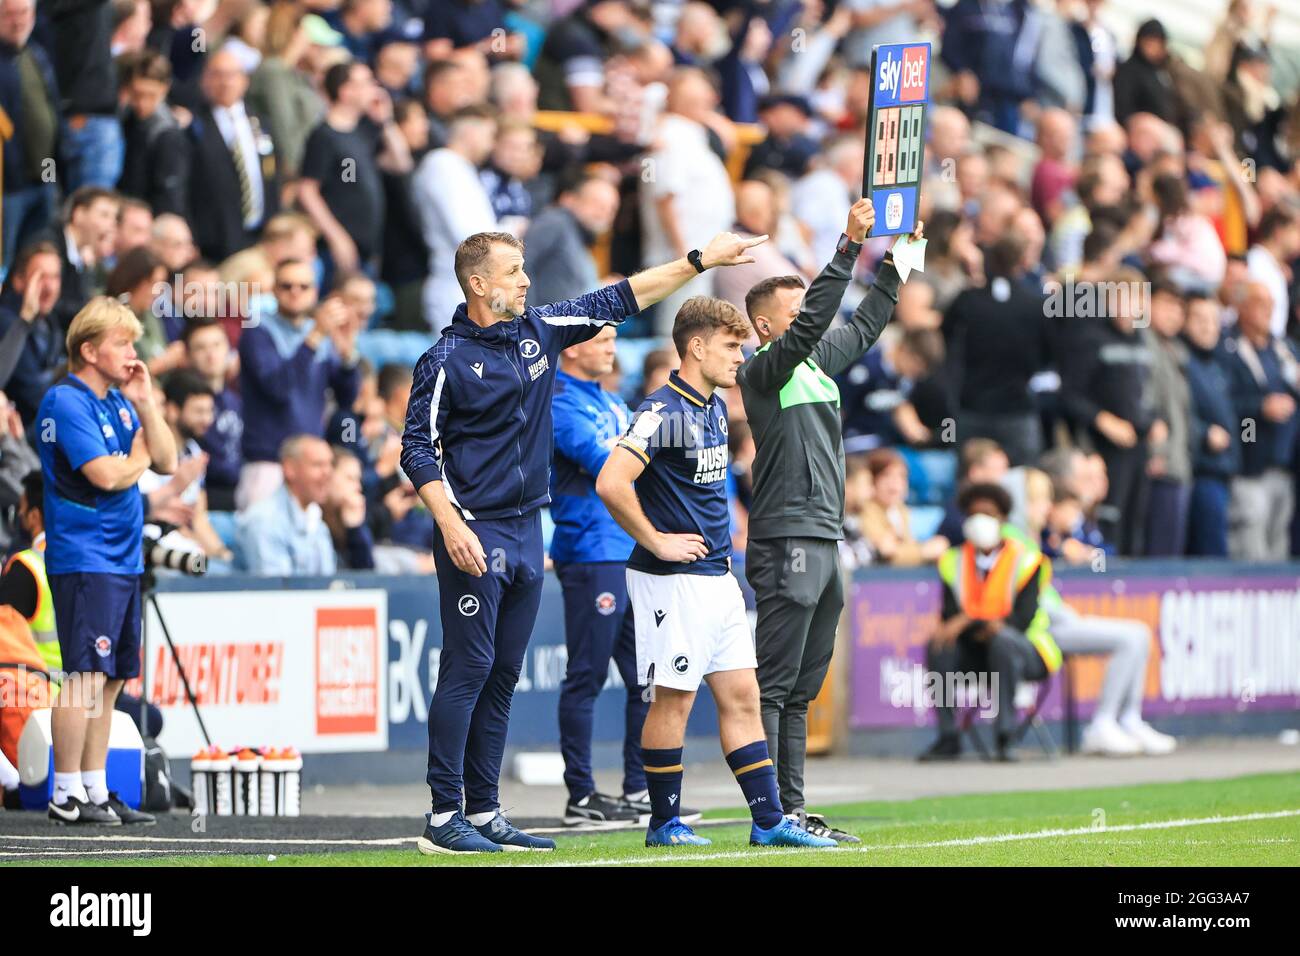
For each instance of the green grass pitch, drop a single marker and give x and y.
(1246, 821)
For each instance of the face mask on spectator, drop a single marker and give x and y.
(983, 531)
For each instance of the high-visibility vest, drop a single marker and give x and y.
(1049, 599)
(42, 622)
(24, 682)
(993, 596)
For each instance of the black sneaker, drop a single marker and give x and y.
(945, 748)
(816, 824)
(125, 813)
(640, 802)
(83, 813)
(598, 809)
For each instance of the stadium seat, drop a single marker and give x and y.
(932, 476)
(381, 346)
(925, 521)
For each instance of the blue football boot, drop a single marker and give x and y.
(786, 833)
(675, 833)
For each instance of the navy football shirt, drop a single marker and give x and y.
(682, 439)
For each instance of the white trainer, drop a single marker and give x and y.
(1106, 737)
(1152, 741)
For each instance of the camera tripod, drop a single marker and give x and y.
(149, 598)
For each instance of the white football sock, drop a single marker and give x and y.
(478, 819)
(441, 818)
(68, 785)
(96, 784)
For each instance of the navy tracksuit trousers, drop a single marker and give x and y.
(597, 626)
(486, 624)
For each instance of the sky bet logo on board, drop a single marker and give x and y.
(902, 73)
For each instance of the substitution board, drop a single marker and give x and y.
(900, 92)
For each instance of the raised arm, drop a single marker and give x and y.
(841, 347)
(724, 249)
(769, 369)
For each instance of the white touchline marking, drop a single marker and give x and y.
(38, 852)
(272, 842)
(964, 841)
(386, 841)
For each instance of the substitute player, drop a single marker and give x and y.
(477, 447)
(590, 553)
(665, 484)
(98, 430)
(796, 518)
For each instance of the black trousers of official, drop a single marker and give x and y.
(1008, 653)
(800, 595)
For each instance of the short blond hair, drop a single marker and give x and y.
(96, 319)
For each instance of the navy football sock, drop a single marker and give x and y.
(663, 775)
(757, 778)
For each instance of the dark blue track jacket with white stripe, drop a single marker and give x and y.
(479, 419)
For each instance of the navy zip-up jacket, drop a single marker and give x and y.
(1209, 384)
(479, 419)
(1252, 375)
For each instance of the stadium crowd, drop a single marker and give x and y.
(1106, 322)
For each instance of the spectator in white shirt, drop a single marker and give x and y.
(1267, 262)
(686, 194)
(821, 199)
(756, 215)
(453, 204)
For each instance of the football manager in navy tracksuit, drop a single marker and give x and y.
(477, 447)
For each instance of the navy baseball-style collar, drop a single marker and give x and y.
(676, 383)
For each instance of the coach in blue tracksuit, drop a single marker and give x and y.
(477, 447)
(590, 552)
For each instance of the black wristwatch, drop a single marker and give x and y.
(693, 257)
(848, 245)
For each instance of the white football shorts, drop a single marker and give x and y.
(688, 626)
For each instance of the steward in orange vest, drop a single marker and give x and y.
(992, 633)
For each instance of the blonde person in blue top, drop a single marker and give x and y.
(98, 430)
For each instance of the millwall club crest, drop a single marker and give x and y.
(529, 349)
